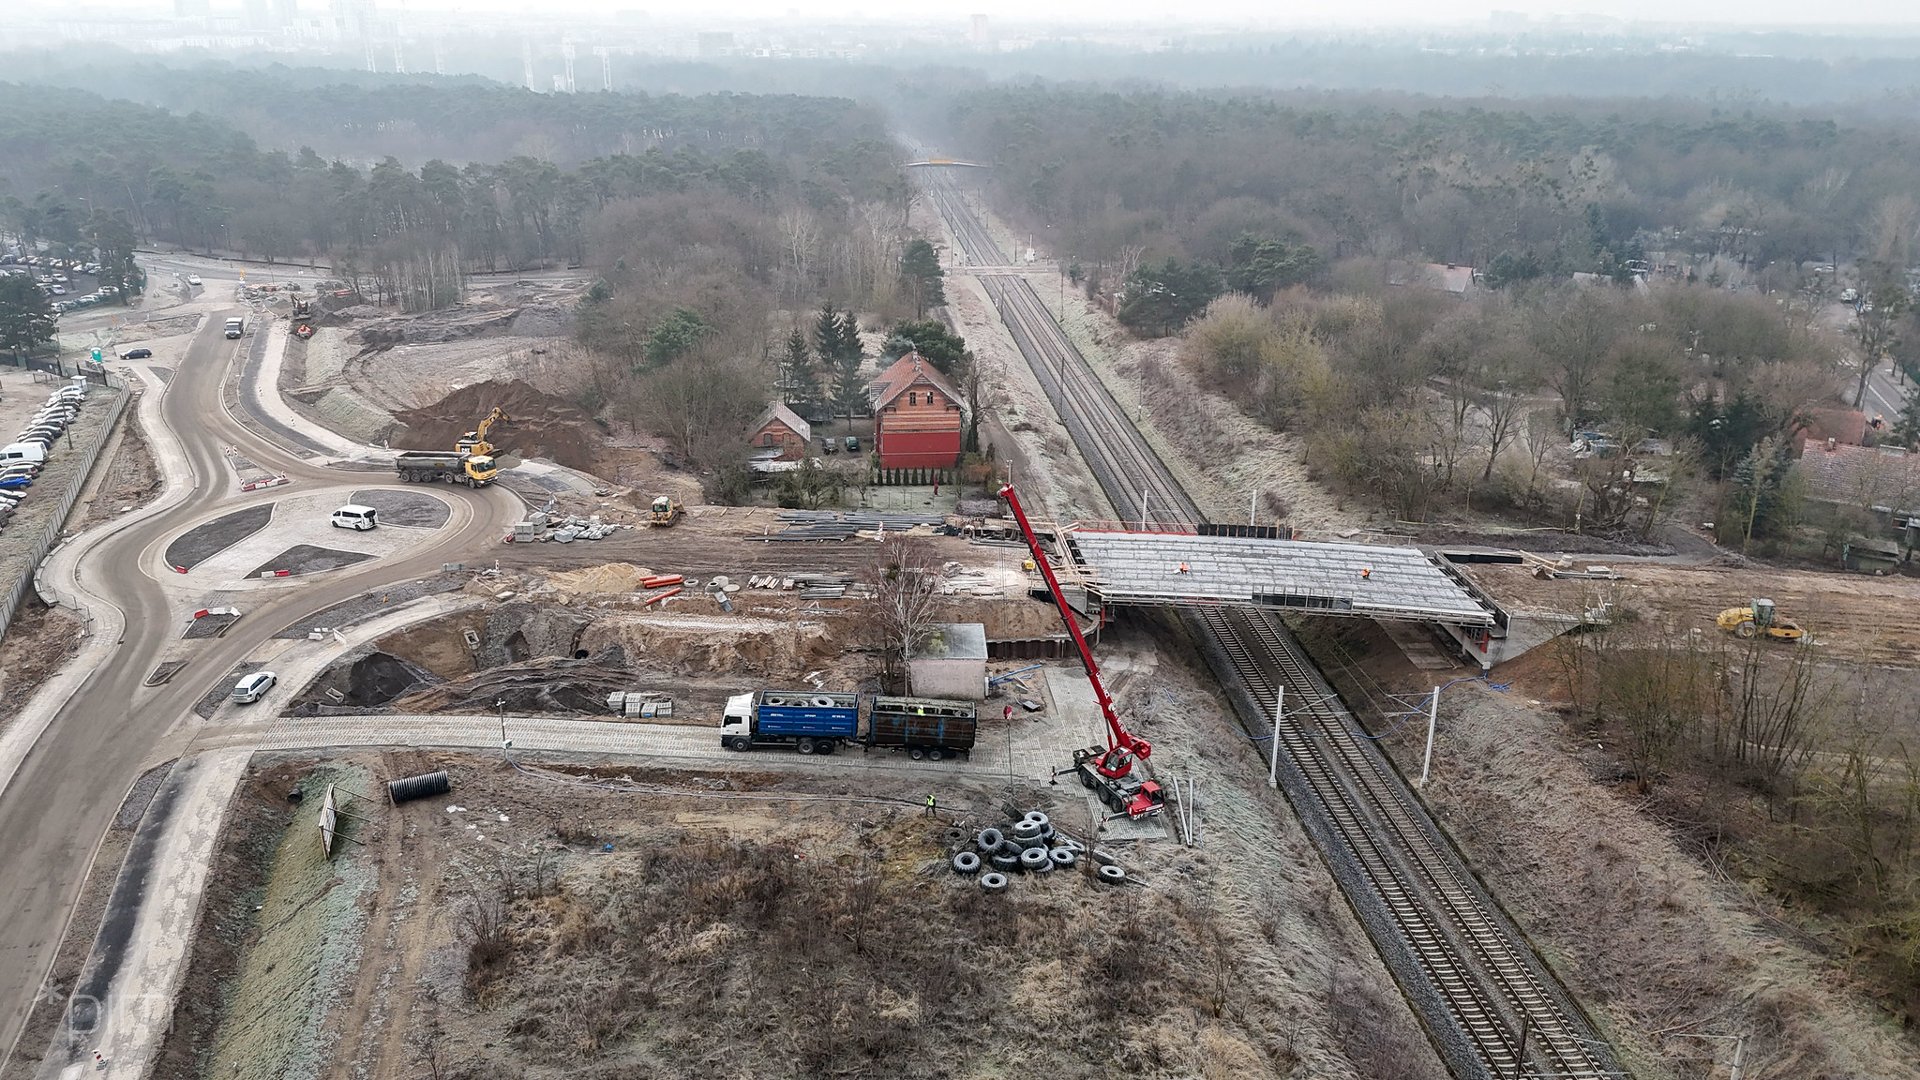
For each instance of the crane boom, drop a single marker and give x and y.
(1122, 745)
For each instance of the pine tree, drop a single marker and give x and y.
(796, 369)
(1758, 491)
(849, 386)
(920, 272)
(826, 332)
(850, 347)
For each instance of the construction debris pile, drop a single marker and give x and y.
(1030, 845)
(643, 704)
(821, 586)
(541, 527)
(1564, 568)
(806, 525)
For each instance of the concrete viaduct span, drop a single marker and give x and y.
(1259, 567)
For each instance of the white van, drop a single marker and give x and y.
(23, 451)
(354, 516)
(236, 326)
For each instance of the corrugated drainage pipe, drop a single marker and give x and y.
(424, 786)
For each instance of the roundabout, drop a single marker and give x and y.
(292, 536)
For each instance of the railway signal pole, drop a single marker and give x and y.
(1433, 719)
(1273, 756)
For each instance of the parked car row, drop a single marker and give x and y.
(22, 460)
(48, 262)
(101, 296)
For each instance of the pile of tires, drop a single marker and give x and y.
(1028, 846)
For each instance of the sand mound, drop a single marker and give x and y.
(538, 424)
(610, 578)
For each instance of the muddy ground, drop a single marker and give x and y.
(631, 922)
(128, 480)
(39, 642)
(1851, 618)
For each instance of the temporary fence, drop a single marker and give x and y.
(17, 591)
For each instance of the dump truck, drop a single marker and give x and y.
(445, 466)
(810, 721)
(929, 728)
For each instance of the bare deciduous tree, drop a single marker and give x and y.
(903, 582)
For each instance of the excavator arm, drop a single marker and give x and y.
(1122, 745)
(475, 441)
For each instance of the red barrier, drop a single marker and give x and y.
(179, 569)
(271, 481)
(281, 573)
(201, 614)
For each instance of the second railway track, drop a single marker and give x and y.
(1492, 1008)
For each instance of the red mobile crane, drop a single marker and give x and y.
(1108, 771)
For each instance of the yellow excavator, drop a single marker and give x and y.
(1759, 617)
(665, 511)
(475, 442)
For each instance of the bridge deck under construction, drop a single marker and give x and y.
(1124, 567)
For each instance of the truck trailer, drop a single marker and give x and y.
(810, 721)
(930, 728)
(445, 466)
(814, 722)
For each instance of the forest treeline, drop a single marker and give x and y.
(363, 117)
(194, 181)
(1188, 173)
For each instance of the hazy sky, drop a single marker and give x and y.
(1844, 17)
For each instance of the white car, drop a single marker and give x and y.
(252, 687)
(193, 279)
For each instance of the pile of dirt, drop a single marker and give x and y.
(378, 678)
(613, 578)
(538, 425)
(750, 648)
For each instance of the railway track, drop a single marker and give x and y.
(1492, 1009)
(1127, 468)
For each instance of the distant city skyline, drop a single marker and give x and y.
(1859, 15)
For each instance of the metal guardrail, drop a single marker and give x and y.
(17, 592)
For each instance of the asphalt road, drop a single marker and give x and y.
(60, 803)
(1886, 394)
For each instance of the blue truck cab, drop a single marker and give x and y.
(810, 721)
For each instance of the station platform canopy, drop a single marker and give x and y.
(1183, 569)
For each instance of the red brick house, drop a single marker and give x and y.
(916, 416)
(779, 428)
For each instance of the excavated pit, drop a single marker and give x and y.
(378, 678)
